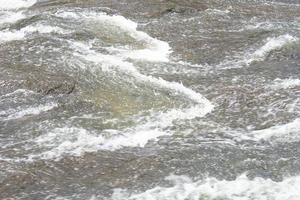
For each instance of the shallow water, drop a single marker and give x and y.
(150, 99)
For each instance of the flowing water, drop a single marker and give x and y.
(150, 99)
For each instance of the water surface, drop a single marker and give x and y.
(160, 100)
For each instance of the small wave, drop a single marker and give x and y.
(17, 114)
(109, 62)
(272, 44)
(6, 35)
(11, 17)
(23, 92)
(275, 134)
(285, 83)
(284, 132)
(77, 141)
(16, 4)
(65, 140)
(40, 28)
(217, 11)
(157, 51)
(212, 189)
(265, 25)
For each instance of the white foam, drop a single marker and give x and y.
(11, 17)
(40, 28)
(7, 35)
(77, 141)
(212, 189)
(15, 4)
(17, 92)
(67, 141)
(272, 44)
(217, 11)
(114, 20)
(284, 132)
(261, 25)
(285, 83)
(16, 114)
(155, 51)
(190, 64)
(151, 128)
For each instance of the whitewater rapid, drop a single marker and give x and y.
(242, 188)
(78, 141)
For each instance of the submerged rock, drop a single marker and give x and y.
(39, 82)
(51, 84)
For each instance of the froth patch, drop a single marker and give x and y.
(22, 92)
(16, 4)
(61, 141)
(260, 54)
(6, 35)
(285, 83)
(77, 141)
(272, 44)
(242, 188)
(11, 17)
(283, 132)
(27, 111)
(155, 51)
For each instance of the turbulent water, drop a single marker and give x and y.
(150, 99)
